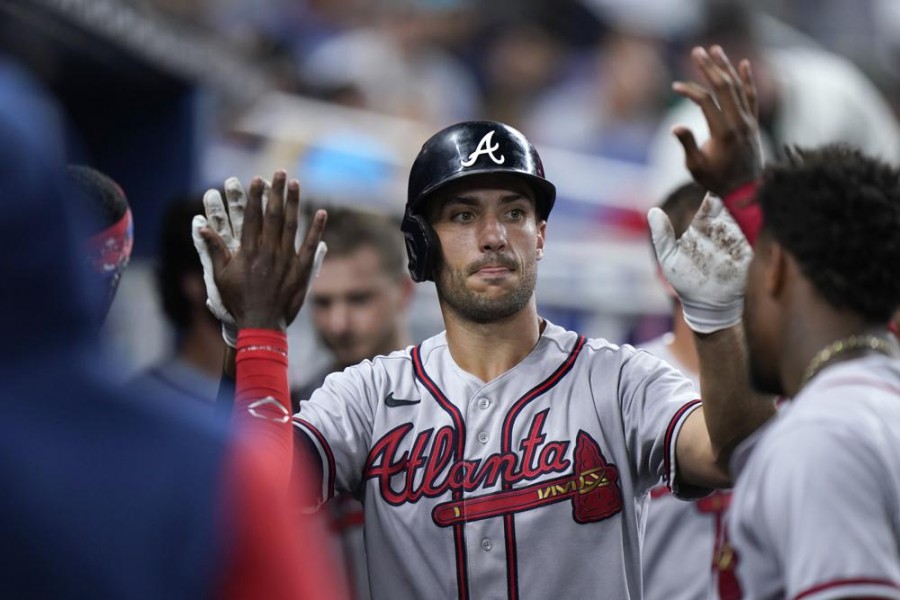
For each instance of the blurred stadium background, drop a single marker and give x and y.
(172, 96)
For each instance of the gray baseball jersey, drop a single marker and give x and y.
(522, 487)
(816, 505)
(681, 541)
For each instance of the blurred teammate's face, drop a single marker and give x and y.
(491, 240)
(357, 308)
(761, 322)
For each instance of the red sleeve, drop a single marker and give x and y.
(262, 403)
(741, 203)
(275, 552)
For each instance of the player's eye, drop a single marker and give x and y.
(462, 216)
(360, 298)
(320, 303)
(516, 214)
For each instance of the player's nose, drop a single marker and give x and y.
(339, 319)
(492, 234)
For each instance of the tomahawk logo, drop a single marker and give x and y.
(485, 147)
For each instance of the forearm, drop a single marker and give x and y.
(262, 398)
(730, 407)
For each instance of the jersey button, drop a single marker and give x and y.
(483, 437)
(487, 544)
(483, 403)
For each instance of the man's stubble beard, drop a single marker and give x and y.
(478, 308)
(763, 380)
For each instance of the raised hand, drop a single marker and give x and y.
(707, 266)
(263, 282)
(228, 226)
(732, 155)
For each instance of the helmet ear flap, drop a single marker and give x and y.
(421, 246)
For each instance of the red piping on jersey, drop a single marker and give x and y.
(847, 582)
(509, 523)
(670, 431)
(328, 453)
(459, 532)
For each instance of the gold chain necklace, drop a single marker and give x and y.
(842, 346)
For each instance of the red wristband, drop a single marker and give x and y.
(744, 209)
(261, 362)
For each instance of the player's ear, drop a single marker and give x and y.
(776, 267)
(541, 237)
(407, 289)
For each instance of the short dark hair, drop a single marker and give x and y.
(349, 229)
(837, 212)
(682, 204)
(106, 202)
(177, 258)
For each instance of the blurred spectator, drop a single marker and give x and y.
(192, 373)
(521, 58)
(611, 108)
(398, 63)
(807, 97)
(108, 496)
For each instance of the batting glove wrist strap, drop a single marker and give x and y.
(704, 318)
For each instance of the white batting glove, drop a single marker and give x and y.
(229, 226)
(229, 230)
(707, 265)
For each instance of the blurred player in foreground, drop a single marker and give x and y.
(503, 456)
(814, 509)
(681, 539)
(109, 247)
(106, 495)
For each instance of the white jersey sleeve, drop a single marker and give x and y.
(338, 419)
(655, 401)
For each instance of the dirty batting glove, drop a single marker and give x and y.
(707, 266)
(213, 297)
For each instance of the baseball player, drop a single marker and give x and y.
(681, 540)
(502, 457)
(824, 523)
(814, 512)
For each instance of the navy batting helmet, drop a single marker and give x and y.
(463, 150)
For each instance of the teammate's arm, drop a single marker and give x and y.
(263, 284)
(730, 411)
(729, 159)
